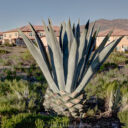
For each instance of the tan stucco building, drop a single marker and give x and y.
(1, 37)
(122, 46)
(13, 37)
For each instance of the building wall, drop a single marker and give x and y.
(9, 37)
(122, 46)
(1, 39)
(29, 34)
(44, 40)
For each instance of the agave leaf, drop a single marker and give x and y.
(64, 37)
(90, 46)
(91, 49)
(117, 98)
(69, 34)
(50, 53)
(83, 44)
(53, 65)
(81, 51)
(53, 38)
(48, 41)
(95, 37)
(99, 49)
(113, 97)
(60, 37)
(87, 24)
(72, 64)
(74, 30)
(40, 60)
(49, 21)
(40, 45)
(58, 61)
(78, 32)
(96, 64)
(47, 34)
(65, 50)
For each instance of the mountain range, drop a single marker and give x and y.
(111, 24)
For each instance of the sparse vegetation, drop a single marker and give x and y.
(22, 87)
(27, 120)
(3, 52)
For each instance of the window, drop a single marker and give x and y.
(10, 35)
(30, 33)
(15, 34)
(41, 34)
(125, 47)
(4, 35)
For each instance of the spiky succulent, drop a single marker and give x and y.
(71, 61)
(113, 98)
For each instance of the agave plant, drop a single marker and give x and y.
(113, 99)
(69, 64)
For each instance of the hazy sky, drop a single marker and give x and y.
(16, 13)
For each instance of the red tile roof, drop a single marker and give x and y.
(1, 33)
(27, 28)
(116, 32)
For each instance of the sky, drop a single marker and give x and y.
(17, 13)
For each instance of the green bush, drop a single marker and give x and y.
(108, 66)
(8, 44)
(28, 120)
(7, 110)
(27, 57)
(21, 96)
(123, 116)
(3, 51)
(117, 58)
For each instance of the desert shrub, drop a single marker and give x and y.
(10, 74)
(113, 97)
(27, 57)
(99, 89)
(16, 60)
(21, 96)
(8, 44)
(34, 72)
(4, 87)
(117, 58)
(123, 116)
(2, 51)
(28, 120)
(108, 66)
(7, 62)
(7, 110)
(112, 87)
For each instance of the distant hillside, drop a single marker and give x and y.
(109, 24)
